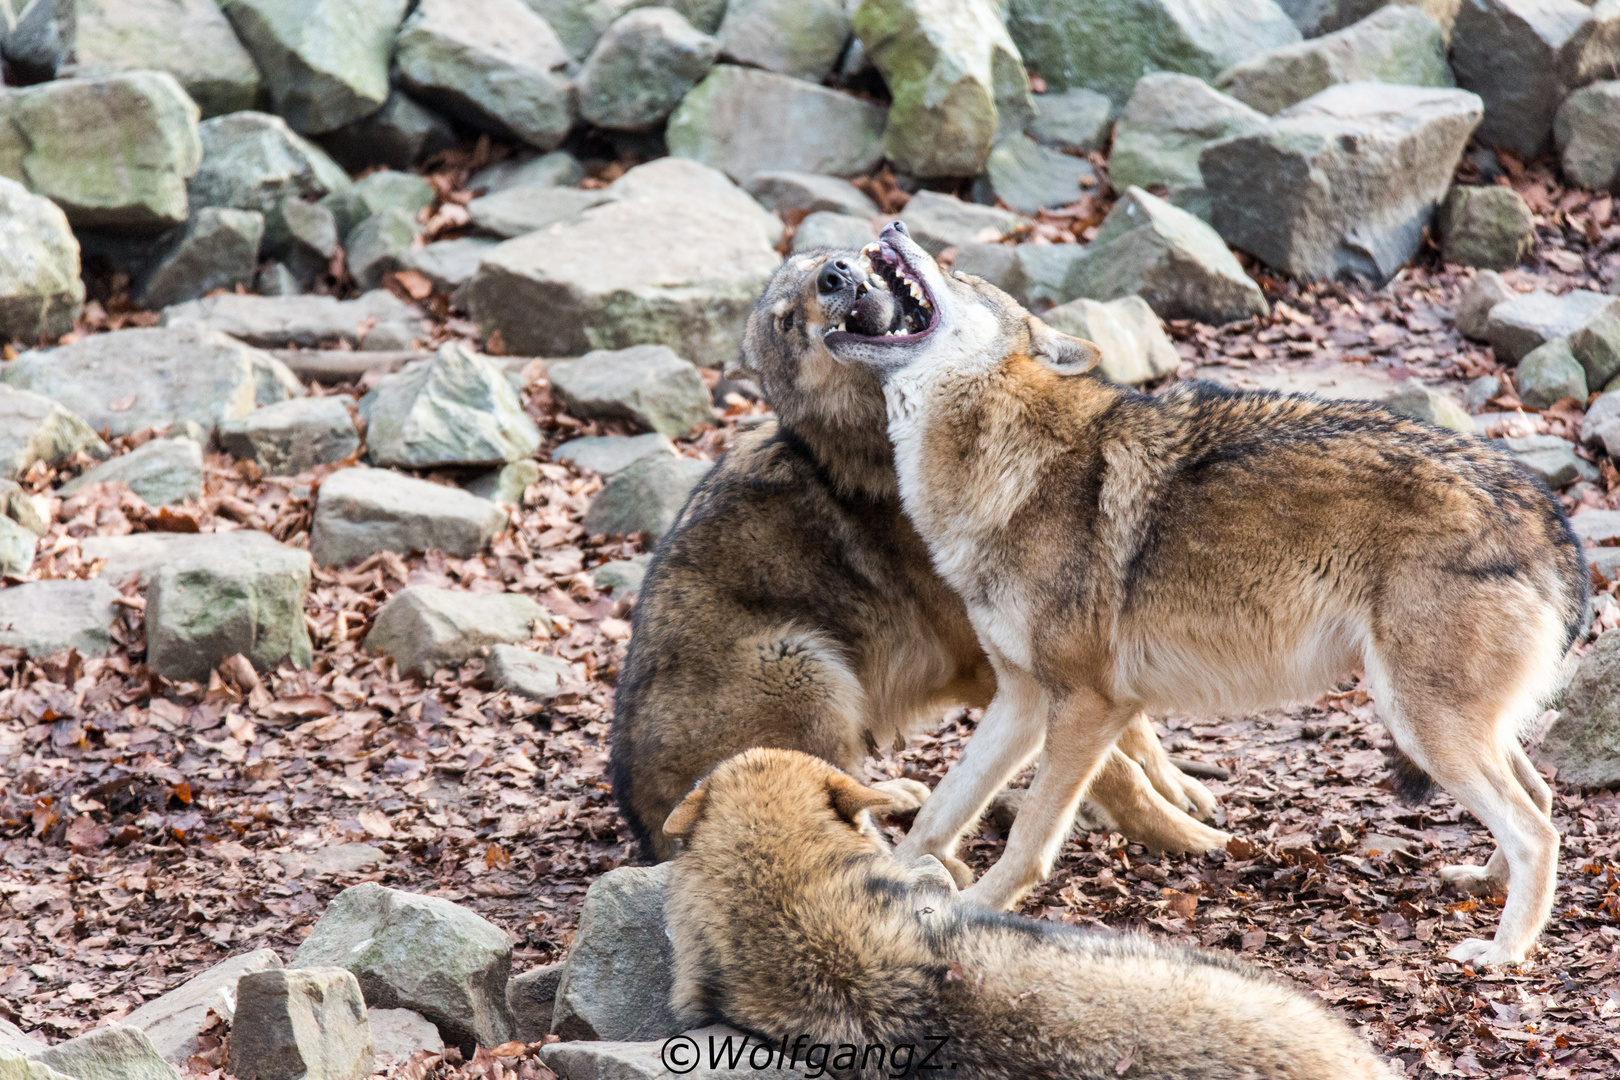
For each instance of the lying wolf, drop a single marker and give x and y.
(791, 920)
(1213, 551)
(794, 606)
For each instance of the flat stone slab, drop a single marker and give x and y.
(44, 617)
(528, 673)
(287, 438)
(361, 511)
(784, 190)
(425, 629)
(304, 322)
(143, 553)
(612, 454)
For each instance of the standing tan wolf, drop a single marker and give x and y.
(1214, 551)
(793, 605)
(791, 920)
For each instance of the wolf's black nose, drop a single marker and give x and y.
(899, 227)
(835, 275)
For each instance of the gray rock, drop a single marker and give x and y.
(1170, 258)
(580, 23)
(785, 192)
(1474, 306)
(642, 68)
(621, 575)
(325, 62)
(518, 211)
(506, 484)
(612, 454)
(1597, 346)
(41, 294)
(308, 1024)
(43, 617)
(531, 996)
(743, 121)
(488, 63)
(1480, 391)
(381, 243)
(113, 153)
(13, 1038)
(162, 472)
(400, 134)
(1135, 348)
(1029, 177)
(216, 602)
(525, 672)
(1081, 44)
(421, 953)
(937, 221)
(301, 322)
(1341, 185)
(361, 511)
(1032, 274)
(1599, 527)
(1076, 120)
(303, 236)
(1509, 53)
(616, 982)
(645, 498)
(402, 1032)
(449, 264)
(17, 546)
(145, 553)
(1490, 227)
(290, 437)
(1530, 320)
(1584, 742)
(1395, 44)
(457, 408)
(1551, 460)
(1431, 406)
(1549, 373)
(35, 428)
(802, 38)
(254, 161)
(217, 249)
(116, 1052)
(646, 384)
(1592, 54)
(128, 380)
(1166, 125)
(1317, 17)
(382, 190)
(556, 169)
(677, 259)
(22, 508)
(13, 1066)
(957, 80)
(1587, 130)
(827, 230)
(173, 1021)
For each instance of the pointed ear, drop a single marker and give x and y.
(1070, 355)
(849, 798)
(684, 818)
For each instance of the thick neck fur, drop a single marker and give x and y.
(859, 460)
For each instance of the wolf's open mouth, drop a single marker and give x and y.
(893, 305)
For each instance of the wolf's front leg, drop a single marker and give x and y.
(1141, 744)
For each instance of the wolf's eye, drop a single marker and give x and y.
(787, 322)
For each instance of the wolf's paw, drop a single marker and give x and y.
(1194, 798)
(1478, 953)
(959, 871)
(905, 795)
(1470, 879)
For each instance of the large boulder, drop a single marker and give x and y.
(742, 121)
(421, 953)
(117, 1052)
(425, 629)
(189, 39)
(1584, 742)
(1135, 348)
(1075, 120)
(1167, 123)
(1587, 131)
(457, 408)
(227, 599)
(1530, 320)
(1395, 44)
(254, 161)
(1148, 248)
(1029, 177)
(1593, 53)
(113, 153)
(290, 437)
(1488, 227)
(173, 1020)
(619, 971)
(489, 63)
(35, 428)
(646, 497)
(41, 293)
(1083, 44)
(161, 472)
(302, 322)
(641, 69)
(1510, 53)
(362, 511)
(307, 1024)
(218, 249)
(1343, 184)
(647, 384)
(802, 38)
(677, 259)
(325, 61)
(956, 77)
(1032, 274)
(127, 380)
(43, 617)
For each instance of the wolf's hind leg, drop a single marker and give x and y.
(1141, 744)
(1143, 814)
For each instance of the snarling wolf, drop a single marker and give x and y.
(1213, 551)
(791, 920)
(793, 605)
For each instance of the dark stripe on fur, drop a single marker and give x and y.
(1412, 786)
